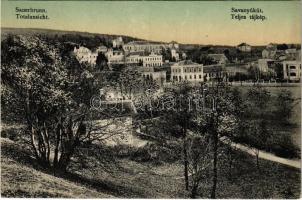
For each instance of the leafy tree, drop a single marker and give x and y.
(166, 53)
(199, 159)
(101, 61)
(215, 121)
(50, 88)
(282, 46)
(178, 119)
(206, 60)
(129, 81)
(284, 104)
(278, 68)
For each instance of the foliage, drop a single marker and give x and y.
(52, 91)
(284, 104)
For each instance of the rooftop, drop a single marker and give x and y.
(243, 44)
(140, 42)
(185, 62)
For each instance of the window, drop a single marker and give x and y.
(194, 76)
(293, 74)
(199, 76)
(185, 77)
(292, 67)
(190, 77)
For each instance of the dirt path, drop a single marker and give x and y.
(263, 154)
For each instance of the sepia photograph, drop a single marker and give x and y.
(151, 99)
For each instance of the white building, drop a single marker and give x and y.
(118, 42)
(149, 73)
(174, 55)
(151, 60)
(142, 46)
(292, 70)
(243, 47)
(102, 49)
(84, 55)
(264, 64)
(115, 56)
(187, 70)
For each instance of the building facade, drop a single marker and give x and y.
(292, 70)
(187, 71)
(214, 72)
(151, 60)
(141, 46)
(243, 47)
(118, 42)
(115, 56)
(174, 55)
(85, 55)
(265, 64)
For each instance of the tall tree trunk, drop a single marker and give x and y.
(194, 191)
(57, 144)
(186, 175)
(215, 149)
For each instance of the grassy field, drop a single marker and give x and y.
(20, 179)
(295, 120)
(131, 179)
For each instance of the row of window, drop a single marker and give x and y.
(146, 59)
(292, 67)
(179, 78)
(187, 70)
(154, 58)
(152, 64)
(143, 47)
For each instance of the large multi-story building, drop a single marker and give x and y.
(85, 55)
(292, 70)
(151, 60)
(142, 46)
(187, 70)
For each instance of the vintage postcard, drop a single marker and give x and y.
(151, 99)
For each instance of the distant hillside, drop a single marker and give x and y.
(51, 32)
(105, 38)
(90, 40)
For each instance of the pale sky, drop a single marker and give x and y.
(198, 22)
